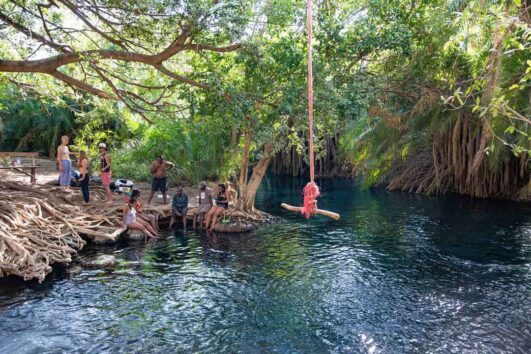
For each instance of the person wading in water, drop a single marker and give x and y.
(159, 183)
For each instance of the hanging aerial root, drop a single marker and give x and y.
(451, 165)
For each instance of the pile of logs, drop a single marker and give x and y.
(42, 225)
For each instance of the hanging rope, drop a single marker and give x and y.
(311, 191)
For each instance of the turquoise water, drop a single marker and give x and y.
(398, 273)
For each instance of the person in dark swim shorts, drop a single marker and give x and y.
(179, 206)
(159, 183)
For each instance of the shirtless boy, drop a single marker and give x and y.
(158, 171)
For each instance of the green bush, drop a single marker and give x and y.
(198, 151)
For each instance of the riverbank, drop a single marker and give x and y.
(43, 224)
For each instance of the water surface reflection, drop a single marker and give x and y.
(398, 274)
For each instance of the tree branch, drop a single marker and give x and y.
(175, 47)
(181, 78)
(83, 18)
(52, 63)
(31, 34)
(82, 85)
(127, 53)
(207, 47)
(127, 81)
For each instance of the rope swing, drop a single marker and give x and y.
(311, 190)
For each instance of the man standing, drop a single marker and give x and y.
(179, 206)
(205, 203)
(105, 168)
(158, 171)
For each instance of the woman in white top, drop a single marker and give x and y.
(129, 215)
(64, 163)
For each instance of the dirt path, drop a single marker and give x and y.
(47, 174)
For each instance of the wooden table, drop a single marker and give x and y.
(22, 169)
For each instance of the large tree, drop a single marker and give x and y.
(135, 52)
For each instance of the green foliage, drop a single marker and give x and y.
(34, 122)
(388, 75)
(451, 57)
(30, 124)
(198, 151)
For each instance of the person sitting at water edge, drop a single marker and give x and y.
(158, 171)
(205, 203)
(131, 221)
(149, 219)
(84, 178)
(105, 168)
(222, 203)
(179, 206)
(64, 164)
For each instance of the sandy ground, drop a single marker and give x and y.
(47, 174)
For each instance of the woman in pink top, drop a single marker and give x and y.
(105, 170)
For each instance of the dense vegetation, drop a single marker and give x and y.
(425, 96)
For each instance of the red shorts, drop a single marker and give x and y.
(105, 178)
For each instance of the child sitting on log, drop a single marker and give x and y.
(130, 220)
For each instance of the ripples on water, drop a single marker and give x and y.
(398, 274)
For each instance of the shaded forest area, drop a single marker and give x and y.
(421, 96)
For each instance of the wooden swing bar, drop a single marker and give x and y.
(322, 212)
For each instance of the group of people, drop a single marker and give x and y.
(64, 165)
(209, 208)
(206, 215)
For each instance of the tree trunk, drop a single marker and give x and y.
(248, 191)
(234, 137)
(244, 166)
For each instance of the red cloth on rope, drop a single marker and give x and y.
(311, 191)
